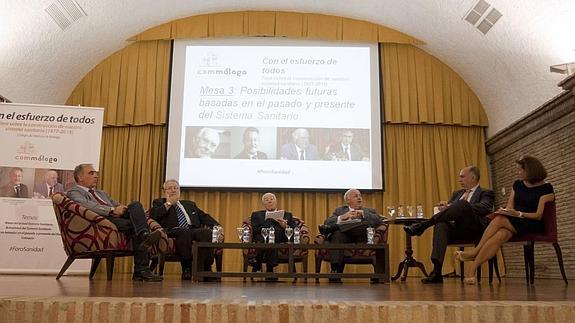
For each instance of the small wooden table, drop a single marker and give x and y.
(381, 250)
(408, 261)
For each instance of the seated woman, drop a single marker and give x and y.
(522, 214)
(259, 221)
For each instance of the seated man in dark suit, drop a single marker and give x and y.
(130, 220)
(358, 219)
(251, 143)
(15, 188)
(462, 217)
(259, 221)
(186, 223)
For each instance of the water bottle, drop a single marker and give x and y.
(370, 235)
(246, 237)
(296, 235)
(272, 235)
(215, 234)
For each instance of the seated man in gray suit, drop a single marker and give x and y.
(463, 217)
(299, 148)
(348, 223)
(130, 220)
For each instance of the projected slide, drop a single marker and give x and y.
(281, 114)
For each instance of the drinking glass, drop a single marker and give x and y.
(391, 211)
(419, 210)
(289, 233)
(401, 211)
(240, 232)
(265, 233)
(410, 211)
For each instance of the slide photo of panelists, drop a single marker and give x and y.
(39, 183)
(277, 143)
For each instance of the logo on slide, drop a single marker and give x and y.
(210, 60)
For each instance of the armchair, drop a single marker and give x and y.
(300, 256)
(351, 256)
(87, 235)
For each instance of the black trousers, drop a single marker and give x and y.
(132, 223)
(456, 222)
(356, 234)
(269, 256)
(185, 237)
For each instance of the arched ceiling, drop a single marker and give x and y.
(508, 68)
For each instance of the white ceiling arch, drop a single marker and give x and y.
(508, 68)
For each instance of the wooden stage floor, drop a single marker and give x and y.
(75, 298)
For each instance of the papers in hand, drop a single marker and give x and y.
(356, 220)
(275, 214)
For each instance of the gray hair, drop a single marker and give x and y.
(78, 170)
(268, 193)
(475, 171)
(170, 181)
(346, 194)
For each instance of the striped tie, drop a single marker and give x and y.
(98, 199)
(182, 221)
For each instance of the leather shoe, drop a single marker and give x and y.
(415, 229)
(325, 229)
(147, 276)
(335, 280)
(147, 239)
(434, 278)
(187, 274)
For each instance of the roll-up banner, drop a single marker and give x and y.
(41, 145)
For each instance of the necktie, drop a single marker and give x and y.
(100, 201)
(346, 152)
(17, 189)
(465, 195)
(50, 191)
(182, 221)
(301, 155)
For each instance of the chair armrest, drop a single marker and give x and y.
(319, 239)
(380, 234)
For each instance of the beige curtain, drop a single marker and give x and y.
(433, 124)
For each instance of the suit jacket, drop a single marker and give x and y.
(481, 202)
(337, 151)
(168, 219)
(244, 155)
(258, 221)
(289, 151)
(8, 191)
(42, 189)
(85, 199)
(370, 215)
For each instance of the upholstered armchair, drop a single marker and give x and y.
(351, 256)
(87, 235)
(165, 250)
(300, 255)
